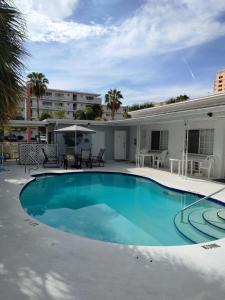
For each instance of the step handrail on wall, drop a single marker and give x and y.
(199, 200)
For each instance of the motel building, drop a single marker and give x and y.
(198, 123)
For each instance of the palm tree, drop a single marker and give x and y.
(12, 52)
(112, 98)
(37, 86)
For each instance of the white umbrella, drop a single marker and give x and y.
(75, 129)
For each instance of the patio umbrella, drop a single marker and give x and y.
(76, 129)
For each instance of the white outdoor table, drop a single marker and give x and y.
(181, 163)
(151, 155)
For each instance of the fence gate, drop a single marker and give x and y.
(31, 154)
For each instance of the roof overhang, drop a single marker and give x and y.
(27, 123)
(204, 102)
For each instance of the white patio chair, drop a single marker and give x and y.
(160, 159)
(207, 165)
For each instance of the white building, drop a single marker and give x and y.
(69, 101)
(161, 128)
(54, 100)
(165, 128)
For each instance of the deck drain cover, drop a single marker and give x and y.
(210, 246)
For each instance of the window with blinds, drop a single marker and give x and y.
(200, 141)
(159, 140)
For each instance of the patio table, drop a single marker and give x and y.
(181, 163)
(152, 156)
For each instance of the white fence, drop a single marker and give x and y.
(31, 154)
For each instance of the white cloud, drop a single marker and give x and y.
(54, 9)
(97, 57)
(158, 26)
(163, 26)
(47, 21)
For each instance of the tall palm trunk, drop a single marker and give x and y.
(38, 108)
(113, 109)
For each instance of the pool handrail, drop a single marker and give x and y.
(200, 200)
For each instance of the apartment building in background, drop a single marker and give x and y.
(69, 101)
(54, 100)
(219, 83)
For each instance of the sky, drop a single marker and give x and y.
(150, 50)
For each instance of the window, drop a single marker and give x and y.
(59, 94)
(47, 103)
(159, 140)
(220, 77)
(74, 106)
(48, 94)
(59, 104)
(74, 97)
(219, 90)
(200, 141)
(220, 81)
(89, 98)
(220, 85)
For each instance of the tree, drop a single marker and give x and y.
(89, 113)
(18, 116)
(112, 98)
(12, 53)
(80, 115)
(37, 85)
(126, 114)
(97, 109)
(140, 106)
(59, 114)
(179, 98)
(45, 115)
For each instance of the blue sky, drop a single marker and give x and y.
(149, 49)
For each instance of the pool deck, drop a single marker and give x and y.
(40, 262)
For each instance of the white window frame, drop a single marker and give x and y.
(163, 139)
(206, 141)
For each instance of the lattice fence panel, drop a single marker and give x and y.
(31, 154)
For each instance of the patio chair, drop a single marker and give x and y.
(67, 159)
(207, 165)
(98, 159)
(160, 159)
(50, 161)
(85, 157)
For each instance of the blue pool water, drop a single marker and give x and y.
(110, 207)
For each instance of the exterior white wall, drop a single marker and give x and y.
(177, 136)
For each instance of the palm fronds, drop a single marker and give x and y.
(37, 85)
(12, 53)
(112, 99)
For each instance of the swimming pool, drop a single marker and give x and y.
(113, 207)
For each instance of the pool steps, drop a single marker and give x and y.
(201, 225)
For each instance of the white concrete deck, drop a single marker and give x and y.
(44, 263)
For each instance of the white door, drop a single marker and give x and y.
(120, 144)
(98, 142)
